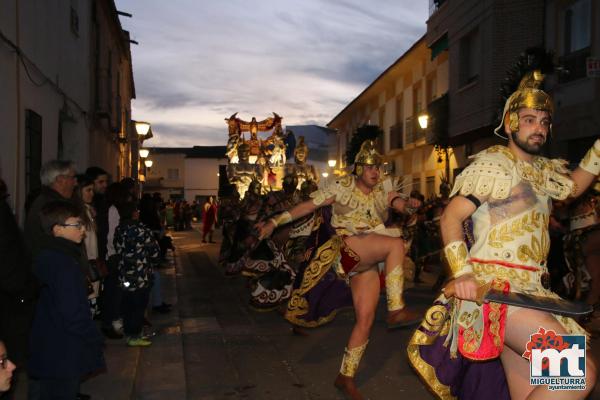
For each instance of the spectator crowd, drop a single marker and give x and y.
(83, 269)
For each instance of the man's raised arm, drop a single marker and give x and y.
(300, 210)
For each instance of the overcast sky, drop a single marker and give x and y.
(199, 61)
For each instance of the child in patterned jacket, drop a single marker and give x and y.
(138, 254)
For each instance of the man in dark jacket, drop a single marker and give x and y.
(58, 181)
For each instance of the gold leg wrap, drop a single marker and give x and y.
(394, 286)
(352, 359)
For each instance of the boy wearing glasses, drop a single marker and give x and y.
(65, 344)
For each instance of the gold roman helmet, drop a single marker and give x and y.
(367, 155)
(528, 95)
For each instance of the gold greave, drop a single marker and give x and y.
(352, 359)
(394, 286)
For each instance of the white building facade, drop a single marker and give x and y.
(185, 173)
(53, 67)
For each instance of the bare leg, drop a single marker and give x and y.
(365, 295)
(373, 249)
(365, 288)
(520, 325)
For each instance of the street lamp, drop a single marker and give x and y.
(423, 120)
(144, 153)
(332, 163)
(142, 128)
(148, 163)
(325, 175)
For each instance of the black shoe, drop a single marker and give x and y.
(110, 333)
(81, 396)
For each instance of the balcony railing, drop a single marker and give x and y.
(414, 133)
(437, 131)
(397, 136)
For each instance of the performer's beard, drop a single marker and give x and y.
(533, 149)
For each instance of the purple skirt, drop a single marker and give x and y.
(448, 377)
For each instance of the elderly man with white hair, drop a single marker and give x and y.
(58, 181)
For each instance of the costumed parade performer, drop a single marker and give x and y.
(228, 214)
(209, 218)
(300, 230)
(266, 265)
(243, 238)
(360, 204)
(464, 349)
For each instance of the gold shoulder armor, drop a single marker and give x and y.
(550, 176)
(489, 175)
(345, 181)
(341, 189)
(319, 196)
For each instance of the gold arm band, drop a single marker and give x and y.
(282, 219)
(591, 161)
(457, 256)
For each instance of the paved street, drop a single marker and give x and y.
(213, 346)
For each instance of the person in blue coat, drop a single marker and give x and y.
(65, 344)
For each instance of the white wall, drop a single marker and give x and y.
(45, 38)
(201, 177)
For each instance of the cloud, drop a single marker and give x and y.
(174, 135)
(200, 61)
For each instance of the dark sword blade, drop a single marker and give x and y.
(555, 306)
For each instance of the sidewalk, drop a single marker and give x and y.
(154, 372)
